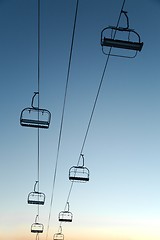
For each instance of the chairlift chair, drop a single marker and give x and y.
(59, 235)
(34, 116)
(37, 227)
(79, 173)
(65, 216)
(110, 41)
(36, 197)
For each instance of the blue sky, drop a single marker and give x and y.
(121, 200)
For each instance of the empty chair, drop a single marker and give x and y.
(79, 173)
(36, 197)
(65, 216)
(34, 116)
(109, 33)
(59, 235)
(37, 227)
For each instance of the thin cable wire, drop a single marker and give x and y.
(94, 105)
(62, 118)
(37, 236)
(38, 87)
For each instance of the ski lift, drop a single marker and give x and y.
(37, 227)
(34, 116)
(36, 197)
(59, 235)
(79, 173)
(65, 216)
(123, 43)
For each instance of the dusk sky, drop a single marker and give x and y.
(121, 201)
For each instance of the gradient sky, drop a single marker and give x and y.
(122, 199)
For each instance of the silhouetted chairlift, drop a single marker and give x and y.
(65, 216)
(34, 116)
(36, 197)
(59, 235)
(79, 173)
(37, 227)
(107, 41)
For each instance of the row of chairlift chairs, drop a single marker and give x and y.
(35, 117)
(64, 216)
(76, 174)
(29, 115)
(40, 118)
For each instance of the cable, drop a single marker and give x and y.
(62, 118)
(94, 105)
(38, 76)
(99, 88)
(37, 236)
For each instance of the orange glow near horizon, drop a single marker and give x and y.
(110, 229)
(109, 233)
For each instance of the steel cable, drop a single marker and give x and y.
(62, 117)
(94, 105)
